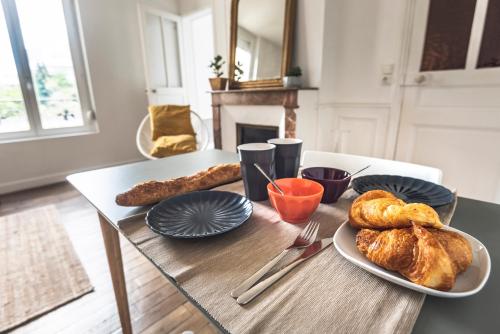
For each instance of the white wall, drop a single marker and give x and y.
(171, 6)
(222, 14)
(268, 58)
(360, 37)
(187, 7)
(111, 38)
(309, 40)
(358, 112)
(198, 51)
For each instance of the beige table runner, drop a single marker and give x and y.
(324, 294)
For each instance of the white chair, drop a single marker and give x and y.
(145, 144)
(353, 163)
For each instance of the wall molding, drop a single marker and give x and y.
(355, 105)
(337, 127)
(47, 179)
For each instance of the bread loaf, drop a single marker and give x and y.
(151, 192)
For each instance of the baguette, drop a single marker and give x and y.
(151, 192)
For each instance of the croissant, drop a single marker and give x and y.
(379, 209)
(432, 258)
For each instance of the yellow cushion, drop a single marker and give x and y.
(170, 120)
(171, 145)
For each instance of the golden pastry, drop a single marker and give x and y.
(432, 258)
(379, 209)
(457, 247)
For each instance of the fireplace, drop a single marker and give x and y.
(255, 115)
(252, 133)
(286, 98)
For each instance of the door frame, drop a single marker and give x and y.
(142, 9)
(396, 107)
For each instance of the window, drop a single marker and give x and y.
(43, 86)
(245, 58)
(489, 55)
(447, 35)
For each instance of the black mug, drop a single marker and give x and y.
(287, 156)
(255, 183)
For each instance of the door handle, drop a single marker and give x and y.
(420, 79)
(153, 91)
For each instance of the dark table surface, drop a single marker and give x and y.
(475, 314)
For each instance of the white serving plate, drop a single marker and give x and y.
(467, 283)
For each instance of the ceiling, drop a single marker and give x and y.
(264, 18)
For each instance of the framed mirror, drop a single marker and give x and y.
(262, 33)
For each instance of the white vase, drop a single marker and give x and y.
(292, 82)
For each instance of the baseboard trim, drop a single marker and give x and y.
(43, 180)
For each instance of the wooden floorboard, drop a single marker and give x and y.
(155, 304)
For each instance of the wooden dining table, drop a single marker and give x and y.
(475, 314)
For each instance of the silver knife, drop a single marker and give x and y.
(257, 289)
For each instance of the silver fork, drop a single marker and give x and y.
(304, 239)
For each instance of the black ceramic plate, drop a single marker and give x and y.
(199, 214)
(406, 188)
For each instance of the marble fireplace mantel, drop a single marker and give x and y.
(286, 97)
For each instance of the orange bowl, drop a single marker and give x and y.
(301, 199)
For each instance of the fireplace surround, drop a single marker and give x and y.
(276, 107)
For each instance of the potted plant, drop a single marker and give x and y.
(217, 83)
(238, 71)
(234, 82)
(292, 78)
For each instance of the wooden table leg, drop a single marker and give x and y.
(115, 263)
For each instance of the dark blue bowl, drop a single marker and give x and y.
(199, 214)
(408, 189)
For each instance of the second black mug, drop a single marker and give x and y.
(287, 156)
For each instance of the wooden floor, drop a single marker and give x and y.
(155, 305)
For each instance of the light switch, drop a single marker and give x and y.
(388, 69)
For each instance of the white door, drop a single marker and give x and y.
(199, 50)
(451, 107)
(162, 55)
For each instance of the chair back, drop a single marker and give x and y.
(353, 163)
(145, 144)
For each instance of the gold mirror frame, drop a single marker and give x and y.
(286, 52)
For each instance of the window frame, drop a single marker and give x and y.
(80, 68)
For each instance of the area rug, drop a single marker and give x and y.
(39, 269)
